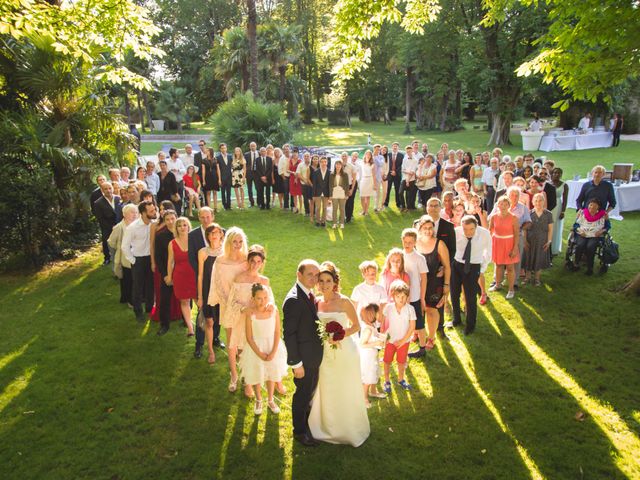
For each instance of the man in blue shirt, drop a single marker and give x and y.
(597, 188)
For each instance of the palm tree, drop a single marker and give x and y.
(231, 58)
(173, 102)
(282, 46)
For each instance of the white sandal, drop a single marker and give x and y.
(233, 385)
(273, 407)
(258, 408)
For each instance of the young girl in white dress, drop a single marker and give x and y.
(370, 344)
(264, 360)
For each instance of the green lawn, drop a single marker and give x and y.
(474, 140)
(86, 392)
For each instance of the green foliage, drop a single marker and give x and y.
(244, 119)
(174, 103)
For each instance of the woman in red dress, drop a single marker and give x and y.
(179, 271)
(505, 232)
(295, 186)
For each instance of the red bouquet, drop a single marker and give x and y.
(331, 331)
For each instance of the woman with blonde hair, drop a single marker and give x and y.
(180, 273)
(227, 267)
(238, 176)
(366, 181)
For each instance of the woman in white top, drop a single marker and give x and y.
(366, 182)
(426, 179)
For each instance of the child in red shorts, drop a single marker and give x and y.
(399, 324)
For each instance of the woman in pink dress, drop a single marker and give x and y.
(505, 231)
(228, 266)
(180, 272)
(295, 186)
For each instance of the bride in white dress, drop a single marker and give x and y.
(338, 411)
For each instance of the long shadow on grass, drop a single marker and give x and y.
(540, 402)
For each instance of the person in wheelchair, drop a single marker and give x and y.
(589, 232)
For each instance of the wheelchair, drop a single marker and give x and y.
(603, 257)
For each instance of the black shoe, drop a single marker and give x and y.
(107, 261)
(323, 224)
(306, 440)
(218, 343)
(317, 224)
(516, 287)
(198, 352)
(162, 331)
(456, 323)
(262, 207)
(418, 354)
(140, 317)
(268, 207)
(468, 331)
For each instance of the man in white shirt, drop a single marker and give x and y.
(187, 158)
(473, 252)
(136, 247)
(536, 125)
(584, 122)
(488, 183)
(408, 186)
(417, 154)
(152, 179)
(175, 166)
(416, 267)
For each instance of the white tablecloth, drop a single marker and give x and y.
(550, 143)
(627, 197)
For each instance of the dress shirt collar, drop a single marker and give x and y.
(303, 288)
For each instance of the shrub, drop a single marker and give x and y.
(244, 119)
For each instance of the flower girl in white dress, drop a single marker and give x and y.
(264, 359)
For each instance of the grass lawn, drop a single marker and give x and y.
(86, 392)
(474, 140)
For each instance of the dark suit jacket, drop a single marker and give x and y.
(197, 161)
(300, 329)
(552, 200)
(161, 251)
(399, 158)
(249, 162)
(225, 167)
(168, 186)
(320, 185)
(107, 216)
(264, 169)
(95, 195)
(447, 233)
(196, 242)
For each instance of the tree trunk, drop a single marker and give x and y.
(127, 109)
(633, 287)
(252, 25)
(444, 111)
(140, 113)
(420, 114)
(501, 129)
(283, 83)
(145, 99)
(179, 121)
(407, 101)
(366, 112)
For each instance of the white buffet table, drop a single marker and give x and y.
(551, 143)
(627, 196)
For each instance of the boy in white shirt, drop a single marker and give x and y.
(369, 291)
(399, 323)
(416, 267)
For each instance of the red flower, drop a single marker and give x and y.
(333, 327)
(337, 336)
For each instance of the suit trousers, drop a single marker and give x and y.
(285, 189)
(250, 183)
(395, 183)
(318, 203)
(490, 199)
(301, 403)
(225, 193)
(307, 196)
(408, 194)
(468, 281)
(142, 288)
(262, 189)
(348, 210)
(126, 285)
(106, 251)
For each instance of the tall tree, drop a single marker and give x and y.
(252, 34)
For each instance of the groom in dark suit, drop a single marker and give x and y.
(304, 346)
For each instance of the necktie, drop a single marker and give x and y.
(262, 163)
(393, 163)
(467, 256)
(313, 300)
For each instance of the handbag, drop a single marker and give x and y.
(610, 251)
(338, 193)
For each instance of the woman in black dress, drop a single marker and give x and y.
(436, 254)
(210, 179)
(206, 258)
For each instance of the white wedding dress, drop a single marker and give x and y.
(338, 413)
